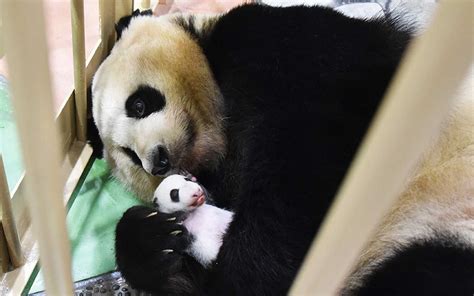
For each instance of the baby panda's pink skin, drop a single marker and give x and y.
(205, 222)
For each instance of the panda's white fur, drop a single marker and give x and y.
(205, 222)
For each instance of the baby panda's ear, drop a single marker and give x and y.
(123, 23)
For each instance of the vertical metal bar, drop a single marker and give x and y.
(123, 8)
(79, 55)
(107, 29)
(417, 102)
(4, 256)
(8, 222)
(25, 45)
(145, 4)
(2, 51)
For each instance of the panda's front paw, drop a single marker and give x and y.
(150, 247)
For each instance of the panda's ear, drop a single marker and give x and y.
(123, 22)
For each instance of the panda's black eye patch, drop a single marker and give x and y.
(133, 156)
(174, 194)
(144, 101)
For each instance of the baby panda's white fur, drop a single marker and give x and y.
(205, 222)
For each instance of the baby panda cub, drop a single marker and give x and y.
(206, 223)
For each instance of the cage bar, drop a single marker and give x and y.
(107, 19)
(79, 56)
(26, 48)
(416, 103)
(2, 51)
(123, 8)
(145, 4)
(8, 221)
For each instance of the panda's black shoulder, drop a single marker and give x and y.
(441, 265)
(294, 28)
(300, 19)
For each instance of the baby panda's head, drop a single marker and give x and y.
(177, 193)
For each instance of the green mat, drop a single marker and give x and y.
(95, 211)
(9, 143)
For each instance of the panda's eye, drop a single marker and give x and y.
(139, 107)
(174, 195)
(144, 101)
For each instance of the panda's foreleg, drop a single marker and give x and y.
(150, 252)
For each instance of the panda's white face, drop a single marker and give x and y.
(178, 193)
(156, 105)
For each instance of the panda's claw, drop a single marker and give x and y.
(151, 214)
(167, 251)
(176, 232)
(171, 219)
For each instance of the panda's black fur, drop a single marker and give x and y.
(300, 86)
(436, 266)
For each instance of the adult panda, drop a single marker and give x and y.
(265, 106)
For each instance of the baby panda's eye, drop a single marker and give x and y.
(139, 107)
(174, 194)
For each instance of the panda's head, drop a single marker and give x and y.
(177, 193)
(156, 105)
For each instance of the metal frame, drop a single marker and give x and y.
(358, 208)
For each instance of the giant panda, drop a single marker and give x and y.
(266, 106)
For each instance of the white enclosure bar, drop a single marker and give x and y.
(79, 55)
(1, 29)
(123, 8)
(107, 21)
(27, 57)
(416, 103)
(8, 221)
(144, 4)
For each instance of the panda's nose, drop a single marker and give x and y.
(161, 162)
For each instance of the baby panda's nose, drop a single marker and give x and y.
(198, 198)
(198, 193)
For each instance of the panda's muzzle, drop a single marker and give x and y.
(161, 162)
